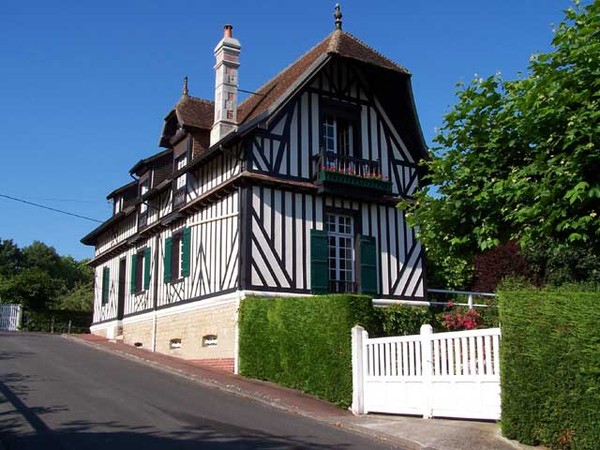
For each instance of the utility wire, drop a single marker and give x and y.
(49, 208)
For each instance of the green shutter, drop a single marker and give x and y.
(105, 284)
(147, 254)
(185, 252)
(167, 260)
(319, 267)
(133, 287)
(368, 265)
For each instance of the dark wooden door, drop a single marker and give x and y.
(121, 291)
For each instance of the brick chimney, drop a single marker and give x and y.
(227, 54)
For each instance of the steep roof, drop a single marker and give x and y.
(338, 43)
(199, 113)
(195, 112)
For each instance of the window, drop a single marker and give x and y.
(341, 261)
(340, 251)
(338, 135)
(118, 204)
(140, 271)
(180, 188)
(177, 256)
(144, 188)
(105, 285)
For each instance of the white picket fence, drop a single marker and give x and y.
(454, 374)
(10, 317)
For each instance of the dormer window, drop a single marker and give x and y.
(117, 205)
(144, 188)
(180, 188)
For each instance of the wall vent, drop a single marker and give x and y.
(209, 340)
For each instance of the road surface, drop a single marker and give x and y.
(56, 394)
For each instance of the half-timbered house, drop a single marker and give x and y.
(293, 191)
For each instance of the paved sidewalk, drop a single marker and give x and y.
(404, 431)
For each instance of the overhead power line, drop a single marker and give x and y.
(49, 208)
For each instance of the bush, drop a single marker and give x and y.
(403, 320)
(492, 266)
(57, 321)
(303, 343)
(550, 367)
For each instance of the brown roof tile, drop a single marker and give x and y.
(349, 46)
(195, 112)
(338, 42)
(199, 113)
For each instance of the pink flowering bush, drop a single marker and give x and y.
(455, 318)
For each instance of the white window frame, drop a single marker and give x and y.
(340, 232)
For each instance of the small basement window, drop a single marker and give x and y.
(138, 344)
(175, 343)
(209, 340)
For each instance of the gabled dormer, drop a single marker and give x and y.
(186, 131)
(123, 197)
(153, 176)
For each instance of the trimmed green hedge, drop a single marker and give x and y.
(403, 320)
(550, 367)
(303, 343)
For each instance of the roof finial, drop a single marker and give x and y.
(185, 91)
(338, 17)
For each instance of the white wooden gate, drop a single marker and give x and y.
(10, 317)
(452, 374)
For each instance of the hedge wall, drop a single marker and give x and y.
(550, 367)
(303, 343)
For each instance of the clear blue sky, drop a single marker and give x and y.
(84, 86)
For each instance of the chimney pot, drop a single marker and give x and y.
(228, 31)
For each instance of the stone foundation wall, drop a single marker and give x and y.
(205, 335)
(202, 334)
(138, 333)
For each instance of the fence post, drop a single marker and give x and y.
(470, 301)
(69, 328)
(52, 325)
(426, 367)
(359, 337)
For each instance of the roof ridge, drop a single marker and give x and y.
(334, 42)
(201, 100)
(368, 47)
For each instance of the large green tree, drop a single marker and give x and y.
(520, 160)
(39, 278)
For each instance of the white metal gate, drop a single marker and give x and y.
(452, 374)
(10, 317)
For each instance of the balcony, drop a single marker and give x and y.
(335, 171)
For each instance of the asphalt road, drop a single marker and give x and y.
(60, 395)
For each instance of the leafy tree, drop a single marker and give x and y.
(41, 256)
(33, 288)
(80, 298)
(39, 278)
(520, 160)
(10, 257)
